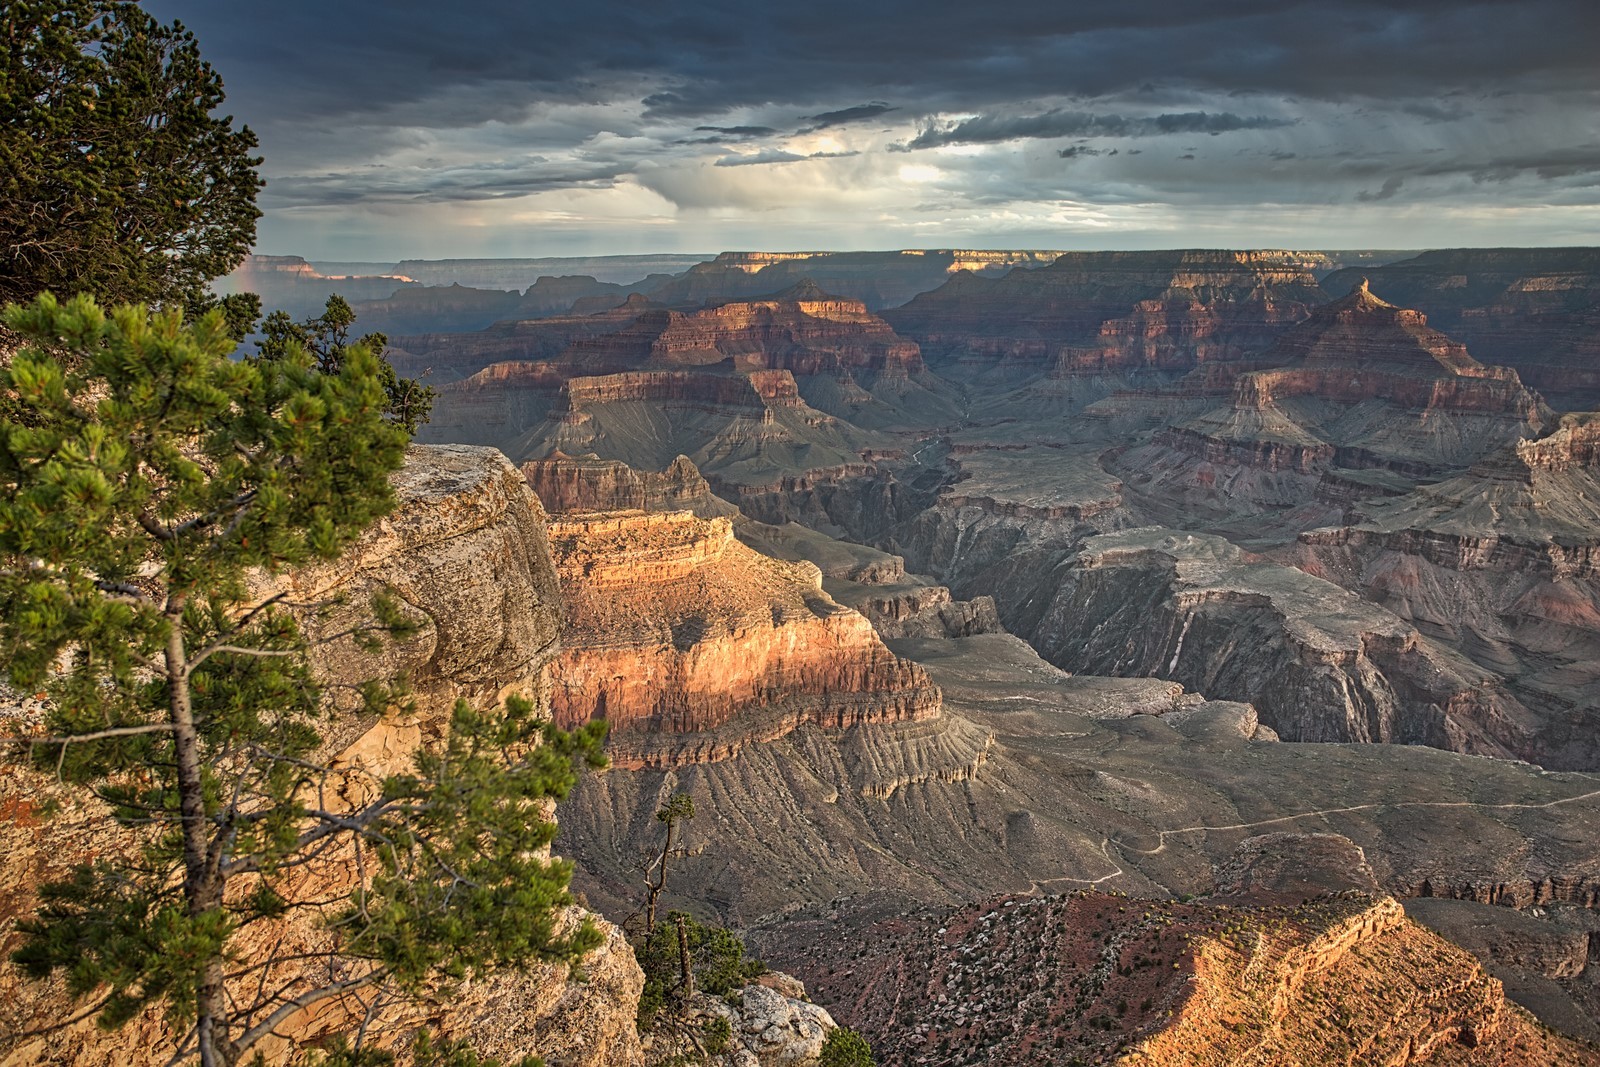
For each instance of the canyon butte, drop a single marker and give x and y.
(1153, 658)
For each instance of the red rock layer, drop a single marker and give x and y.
(1353, 351)
(709, 391)
(803, 330)
(692, 645)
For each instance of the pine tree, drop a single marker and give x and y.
(147, 478)
(116, 178)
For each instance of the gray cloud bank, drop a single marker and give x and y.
(895, 114)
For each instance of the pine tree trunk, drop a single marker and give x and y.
(685, 967)
(201, 885)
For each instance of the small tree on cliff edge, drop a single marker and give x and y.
(136, 497)
(326, 338)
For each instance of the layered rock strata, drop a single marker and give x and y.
(1500, 563)
(1318, 663)
(587, 483)
(693, 646)
(737, 429)
(1360, 384)
(801, 358)
(1534, 309)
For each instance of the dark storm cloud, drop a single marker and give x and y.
(992, 129)
(845, 116)
(485, 181)
(778, 156)
(322, 62)
(737, 131)
(1390, 187)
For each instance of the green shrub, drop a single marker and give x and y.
(846, 1048)
(718, 1032)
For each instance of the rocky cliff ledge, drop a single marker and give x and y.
(587, 483)
(692, 645)
(465, 549)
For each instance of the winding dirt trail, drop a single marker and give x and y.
(1039, 885)
(1162, 835)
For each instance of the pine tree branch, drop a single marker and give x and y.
(153, 527)
(98, 735)
(238, 650)
(244, 621)
(304, 1000)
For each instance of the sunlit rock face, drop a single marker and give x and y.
(567, 483)
(1296, 960)
(692, 645)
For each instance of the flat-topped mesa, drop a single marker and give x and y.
(879, 279)
(566, 484)
(711, 391)
(693, 646)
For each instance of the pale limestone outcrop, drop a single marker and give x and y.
(465, 553)
(771, 1023)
